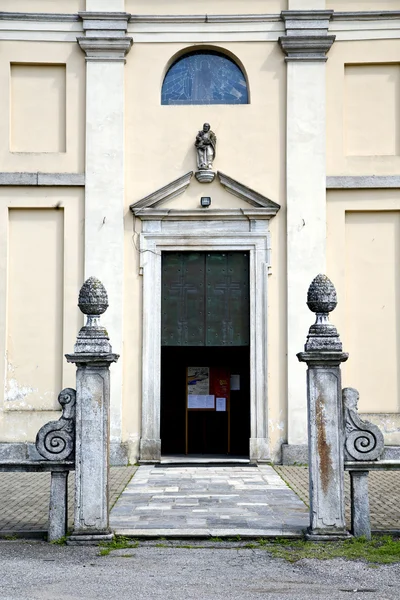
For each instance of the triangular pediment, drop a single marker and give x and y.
(151, 206)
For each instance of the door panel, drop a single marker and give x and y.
(182, 305)
(205, 299)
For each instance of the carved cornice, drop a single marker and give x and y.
(234, 18)
(306, 48)
(245, 193)
(306, 36)
(167, 192)
(148, 208)
(105, 36)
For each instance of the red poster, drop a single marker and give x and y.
(219, 382)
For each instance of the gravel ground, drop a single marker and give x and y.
(36, 570)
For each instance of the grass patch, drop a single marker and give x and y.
(235, 538)
(380, 550)
(60, 542)
(118, 543)
(216, 539)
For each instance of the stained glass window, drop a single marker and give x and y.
(204, 77)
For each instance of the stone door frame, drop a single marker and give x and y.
(180, 231)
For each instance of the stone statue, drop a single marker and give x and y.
(206, 143)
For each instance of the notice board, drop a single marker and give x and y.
(208, 390)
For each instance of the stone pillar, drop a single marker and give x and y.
(323, 355)
(305, 45)
(58, 507)
(93, 356)
(359, 498)
(106, 45)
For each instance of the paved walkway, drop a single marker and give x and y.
(208, 501)
(24, 498)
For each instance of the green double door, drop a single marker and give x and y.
(205, 316)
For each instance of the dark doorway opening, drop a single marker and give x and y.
(207, 430)
(205, 323)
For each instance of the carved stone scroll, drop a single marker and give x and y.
(363, 440)
(56, 439)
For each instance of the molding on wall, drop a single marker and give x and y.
(219, 234)
(167, 192)
(199, 28)
(306, 36)
(366, 15)
(248, 195)
(236, 18)
(105, 36)
(362, 181)
(11, 16)
(38, 179)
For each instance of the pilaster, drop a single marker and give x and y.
(106, 45)
(305, 46)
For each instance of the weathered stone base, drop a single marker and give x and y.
(259, 450)
(323, 537)
(205, 176)
(150, 451)
(89, 539)
(119, 454)
(294, 454)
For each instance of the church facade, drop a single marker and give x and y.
(204, 163)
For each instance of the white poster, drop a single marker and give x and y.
(235, 382)
(210, 401)
(197, 401)
(221, 404)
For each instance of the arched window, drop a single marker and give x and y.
(204, 77)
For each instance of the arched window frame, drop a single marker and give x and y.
(215, 50)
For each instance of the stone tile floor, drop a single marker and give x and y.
(192, 501)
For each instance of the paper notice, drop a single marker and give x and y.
(221, 404)
(235, 382)
(197, 401)
(210, 401)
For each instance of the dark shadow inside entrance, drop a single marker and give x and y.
(207, 431)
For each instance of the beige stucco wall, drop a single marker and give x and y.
(357, 5)
(363, 237)
(202, 7)
(363, 226)
(363, 120)
(41, 252)
(42, 116)
(42, 107)
(160, 148)
(43, 6)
